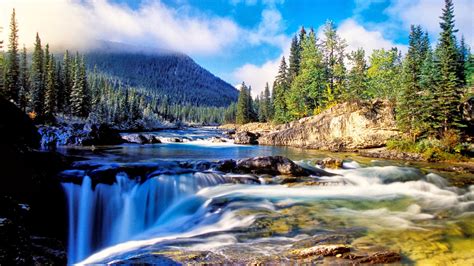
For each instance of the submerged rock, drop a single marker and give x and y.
(322, 250)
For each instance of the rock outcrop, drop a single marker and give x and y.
(141, 138)
(344, 127)
(246, 137)
(78, 134)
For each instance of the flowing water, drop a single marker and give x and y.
(180, 203)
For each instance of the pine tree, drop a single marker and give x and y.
(428, 85)
(50, 86)
(294, 59)
(66, 80)
(281, 88)
(24, 93)
(267, 106)
(243, 107)
(410, 101)
(357, 78)
(77, 94)
(37, 84)
(306, 92)
(449, 92)
(333, 51)
(12, 73)
(463, 57)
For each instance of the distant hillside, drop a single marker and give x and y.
(172, 75)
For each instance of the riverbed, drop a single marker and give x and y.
(167, 204)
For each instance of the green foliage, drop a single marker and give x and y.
(280, 87)
(384, 74)
(357, 78)
(36, 77)
(24, 82)
(244, 105)
(12, 68)
(307, 90)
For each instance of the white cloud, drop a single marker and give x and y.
(427, 12)
(361, 5)
(357, 36)
(80, 24)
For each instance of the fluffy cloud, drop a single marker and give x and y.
(427, 12)
(357, 36)
(81, 24)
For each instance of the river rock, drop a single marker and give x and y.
(246, 138)
(272, 165)
(321, 250)
(141, 138)
(330, 162)
(345, 127)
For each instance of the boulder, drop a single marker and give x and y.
(141, 138)
(275, 165)
(330, 162)
(101, 135)
(246, 137)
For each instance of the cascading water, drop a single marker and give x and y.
(104, 215)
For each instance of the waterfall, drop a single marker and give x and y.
(105, 215)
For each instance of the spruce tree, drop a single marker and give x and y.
(50, 85)
(242, 115)
(357, 78)
(411, 100)
(66, 80)
(12, 71)
(267, 107)
(24, 93)
(333, 51)
(281, 88)
(426, 122)
(37, 84)
(77, 95)
(449, 91)
(306, 93)
(294, 59)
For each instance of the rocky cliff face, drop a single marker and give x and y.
(344, 127)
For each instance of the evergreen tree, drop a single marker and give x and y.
(267, 104)
(66, 80)
(463, 57)
(428, 84)
(50, 86)
(12, 71)
(294, 59)
(449, 92)
(24, 93)
(410, 102)
(37, 85)
(333, 51)
(77, 93)
(281, 88)
(306, 93)
(357, 78)
(2, 82)
(243, 108)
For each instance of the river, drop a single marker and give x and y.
(162, 203)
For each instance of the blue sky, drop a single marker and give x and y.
(238, 40)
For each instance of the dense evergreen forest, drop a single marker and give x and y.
(128, 91)
(427, 86)
(167, 75)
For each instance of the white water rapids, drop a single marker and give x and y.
(115, 219)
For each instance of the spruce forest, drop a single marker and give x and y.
(427, 87)
(97, 87)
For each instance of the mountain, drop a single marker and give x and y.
(170, 75)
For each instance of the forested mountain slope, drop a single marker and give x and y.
(168, 75)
